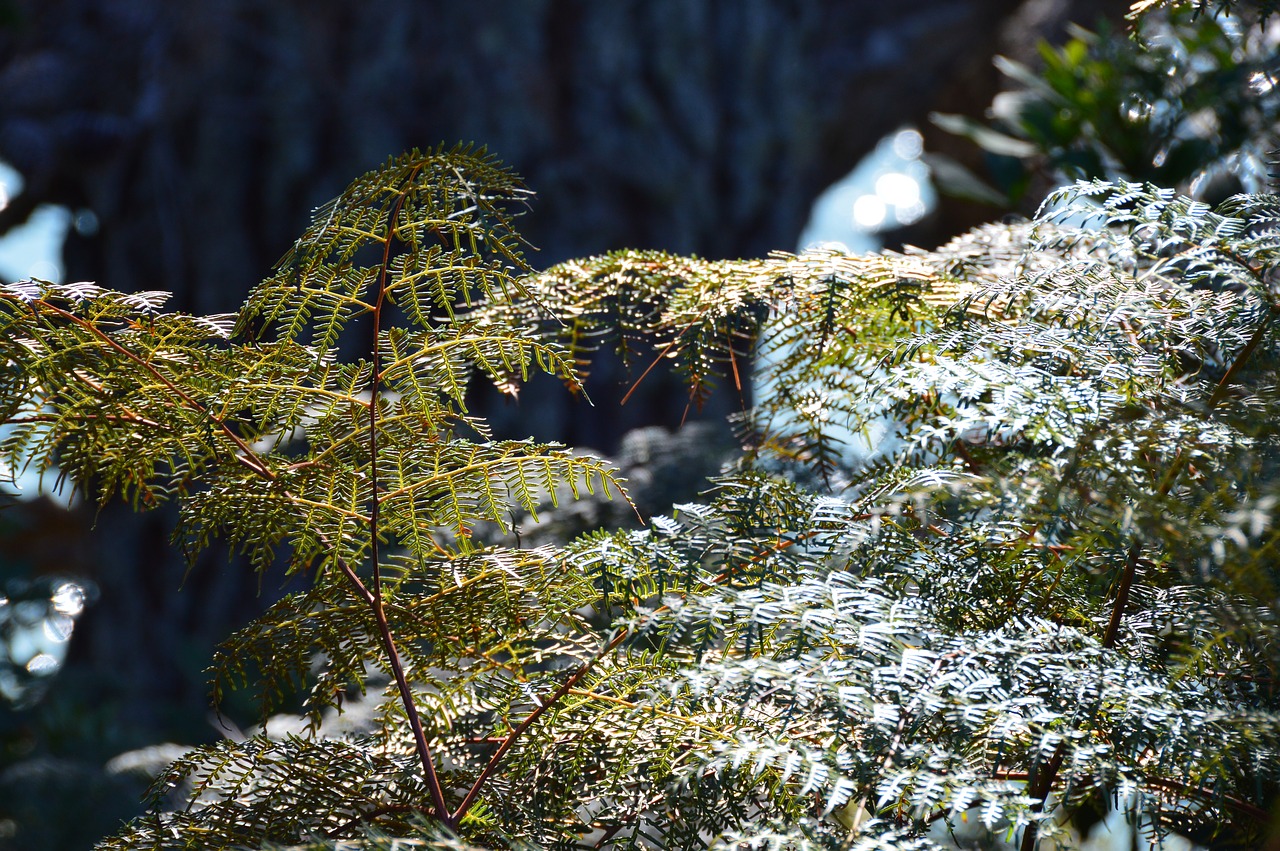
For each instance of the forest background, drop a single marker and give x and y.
(200, 135)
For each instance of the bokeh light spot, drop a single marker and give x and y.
(869, 212)
(908, 144)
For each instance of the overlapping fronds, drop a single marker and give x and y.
(852, 693)
(1046, 582)
(1070, 529)
(705, 310)
(368, 473)
(800, 319)
(851, 657)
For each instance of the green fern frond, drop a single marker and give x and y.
(1052, 579)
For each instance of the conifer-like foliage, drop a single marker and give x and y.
(1054, 586)
(1057, 583)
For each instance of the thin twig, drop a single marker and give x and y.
(245, 456)
(533, 716)
(657, 360)
(1175, 469)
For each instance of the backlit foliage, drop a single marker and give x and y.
(1052, 586)
(1190, 100)
(1058, 578)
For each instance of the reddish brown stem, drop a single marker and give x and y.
(1125, 584)
(1123, 587)
(1040, 786)
(376, 601)
(657, 360)
(474, 792)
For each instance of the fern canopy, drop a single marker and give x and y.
(1050, 582)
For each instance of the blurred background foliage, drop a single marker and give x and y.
(1189, 100)
(188, 140)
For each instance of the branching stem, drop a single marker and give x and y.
(1047, 775)
(247, 457)
(474, 792)
(375, 499)
(1180, 460)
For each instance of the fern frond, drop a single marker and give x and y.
(261, 792)
(1052, 579)
(450, 213)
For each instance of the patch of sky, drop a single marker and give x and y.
(888, 189)
(34, 250)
